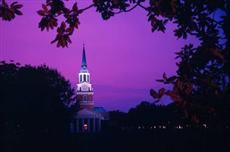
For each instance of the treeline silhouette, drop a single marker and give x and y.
(148, 116)
(35, 117)
(33, 107)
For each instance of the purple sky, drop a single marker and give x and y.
(124, 57)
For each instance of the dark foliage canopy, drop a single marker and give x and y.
(33, 100)
(148, 115)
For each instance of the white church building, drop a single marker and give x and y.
(89, 118)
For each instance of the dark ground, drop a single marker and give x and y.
(157, 141)
(186, 140)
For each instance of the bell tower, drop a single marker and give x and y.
(84, 87)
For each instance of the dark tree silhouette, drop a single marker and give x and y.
(201, 85)
(117, 119)
(8, 12)
(148, 114)
(33, 103)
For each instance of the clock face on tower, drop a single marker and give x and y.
(84, 87)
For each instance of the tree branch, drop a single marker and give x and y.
(145, 8)
(138, 4)
(121, 11)
(84, 9)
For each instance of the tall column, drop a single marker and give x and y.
(72, 126)
(99, 124)
(77, 126)
(80, 124)
(94, 129)
(88, 125)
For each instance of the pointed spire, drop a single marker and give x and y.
(83, 63)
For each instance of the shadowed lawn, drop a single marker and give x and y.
(186, 140)
(159, 141)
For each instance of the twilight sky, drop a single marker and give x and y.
(124, 57)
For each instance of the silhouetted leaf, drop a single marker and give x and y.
(154, 94)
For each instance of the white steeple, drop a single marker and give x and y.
(84, 87)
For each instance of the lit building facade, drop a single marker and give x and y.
(84, 89)
(88, 118)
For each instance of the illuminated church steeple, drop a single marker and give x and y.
(84, 88)
(84, 75)
(88, 118)
(83, 62)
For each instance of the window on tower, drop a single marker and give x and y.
(84, 77)
(85, 98)
(87, 78)
(80, 78)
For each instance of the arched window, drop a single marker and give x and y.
(87, 78)
(80, 78)
(84, 77)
